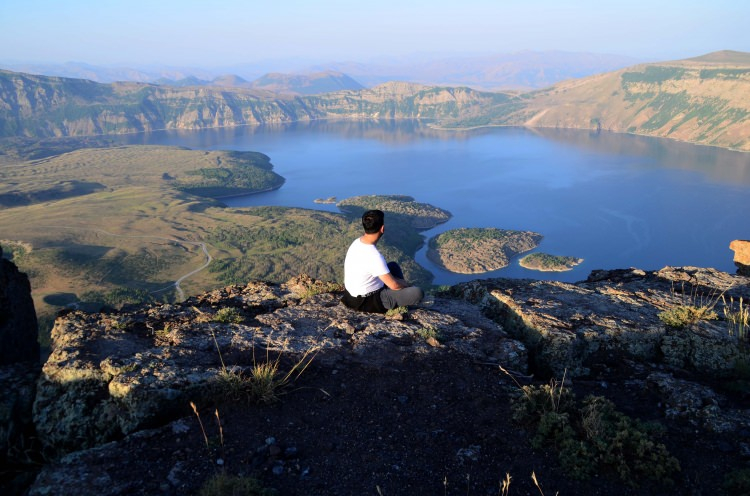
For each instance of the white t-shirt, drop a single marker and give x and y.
(362, 267)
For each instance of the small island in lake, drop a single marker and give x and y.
(549, 263)
(477, 250)
(330, 199)
(398, 208)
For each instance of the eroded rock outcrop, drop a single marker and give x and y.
(17, 390)
(19, 358)
(112, 375)
(18, 326)
(614, 315)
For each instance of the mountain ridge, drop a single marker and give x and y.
(704, 101)
(489, 72)
(687, 100)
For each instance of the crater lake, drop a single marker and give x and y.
(614, 200)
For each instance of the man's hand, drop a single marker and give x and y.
(393, 282)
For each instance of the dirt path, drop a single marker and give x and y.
(176, 284)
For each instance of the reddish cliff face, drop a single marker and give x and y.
(741, 250)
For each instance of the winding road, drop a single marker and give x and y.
(176, 284)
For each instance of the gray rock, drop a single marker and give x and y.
(18, 325)
(19, 359)
(112, 375)
(115, 376)
(698, 404)
(17, 390)
(614, 315)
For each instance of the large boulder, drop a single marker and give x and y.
(741, 250)
(18, 325)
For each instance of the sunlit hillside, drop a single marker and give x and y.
(703, 100)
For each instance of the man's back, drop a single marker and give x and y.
(362, 267)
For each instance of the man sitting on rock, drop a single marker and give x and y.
(372, 285)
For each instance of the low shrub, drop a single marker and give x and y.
(228, 315)
(428, 332)
(320, 288)
(685, 315)
(592, 436)
(738, 319)
(397, 311)
(223, 484)
(737, 482)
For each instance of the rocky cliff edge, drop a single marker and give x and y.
(118, 384)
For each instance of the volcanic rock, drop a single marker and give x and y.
(741, 250)
(18, 325)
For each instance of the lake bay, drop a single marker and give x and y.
(615, 200)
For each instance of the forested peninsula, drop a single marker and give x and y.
(478, 250)
(549, 263)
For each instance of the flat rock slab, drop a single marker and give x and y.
(614, 315)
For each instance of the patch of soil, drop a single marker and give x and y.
(437, 424)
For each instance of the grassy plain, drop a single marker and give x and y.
(135, 229)
(140, 229)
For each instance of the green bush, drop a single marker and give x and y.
(117, 297)
(538, 400)
(228, 315)
(592, 436)
(222, 484)
(737, 482)
(428, 332)
(685, 315)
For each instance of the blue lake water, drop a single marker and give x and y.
(617, 201)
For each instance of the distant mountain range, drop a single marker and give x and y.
(701, 100)
(101, 74)
(522, 70)
(281, 84)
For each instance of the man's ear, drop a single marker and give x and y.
(382, 229)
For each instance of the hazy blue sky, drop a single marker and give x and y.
(215, 33)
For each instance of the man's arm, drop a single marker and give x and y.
(393, 282)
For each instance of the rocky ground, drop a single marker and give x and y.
(414, 405)
(438, 425)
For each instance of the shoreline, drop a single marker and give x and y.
(432, 257)
(561, 267)
(431, 123)
(255, 192)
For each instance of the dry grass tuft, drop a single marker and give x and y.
(738, 320)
